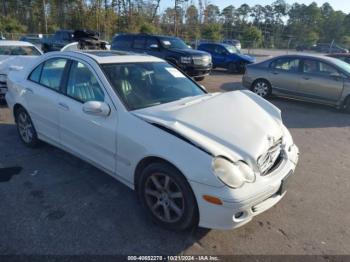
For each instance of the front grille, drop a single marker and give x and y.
(201, 60)
(267, 161)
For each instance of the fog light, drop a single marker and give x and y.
(239, 214)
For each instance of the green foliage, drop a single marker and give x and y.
(345, 40)
(273, 25)
(148, 28)
(252, 36)
(211, 32)
(11, 25)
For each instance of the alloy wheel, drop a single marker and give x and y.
(25, 127)
(164, 197)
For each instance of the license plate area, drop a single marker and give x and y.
(284, 183)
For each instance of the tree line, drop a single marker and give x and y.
(278, 25)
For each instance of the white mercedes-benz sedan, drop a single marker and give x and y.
(216, 160)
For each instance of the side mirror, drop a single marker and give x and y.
(154, 47)
(96, 108)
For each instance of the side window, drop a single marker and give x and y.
(220, 50)
(286, 64)
(82, 84)
(52, 73)
(210, 48)
(151, 41)
(65, 36)
(326, 69)
(317, 67)
(139, 42)
(122, 41)
(310, 66)
(35, 74)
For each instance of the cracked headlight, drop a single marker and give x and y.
(232, 174)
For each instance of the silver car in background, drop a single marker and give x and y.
(317, 79)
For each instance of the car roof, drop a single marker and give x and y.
(220, 44)
(111, 57)
(338, 54)
(14, 43)
(322, 57)
(143, 34)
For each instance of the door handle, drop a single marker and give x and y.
(306, 77)
(275, 73)
(63, 106)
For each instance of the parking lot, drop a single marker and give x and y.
(59, 204)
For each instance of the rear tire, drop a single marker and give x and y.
(26, 129)
(262, 88)
(167, 197)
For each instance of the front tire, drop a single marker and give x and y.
(167, 197)
(262, 88)
(232, 68)
(26, 129)
(346, 106)
(199, 78)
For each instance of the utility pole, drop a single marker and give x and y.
(45, 15)
(175, 17)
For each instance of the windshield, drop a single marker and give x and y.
(19, 50)
(170, 42)
(343, 65)
(141, 85)
(232, 49)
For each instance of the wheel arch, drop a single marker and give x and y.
(16, 107)
(345, 101)
(143, 163)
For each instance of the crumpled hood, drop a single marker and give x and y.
(18, 62)
(236, 124)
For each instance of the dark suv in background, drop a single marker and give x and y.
(57, 41)
(193, 62)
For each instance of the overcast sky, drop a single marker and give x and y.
(343, 5)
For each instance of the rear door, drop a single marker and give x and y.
(41, 96)
(89, 136)
(320, 80)
(284, 74)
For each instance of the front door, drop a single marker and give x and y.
(219, 56)
(89, 136)
(320, 81)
